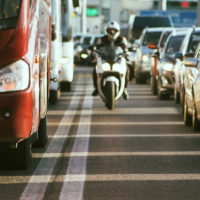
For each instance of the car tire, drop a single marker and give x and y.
(53, 97)
(66, 86)
(195, 121)
(176, 96)
(42, 134)
(18, 158)
(187, 116)
(154, 85)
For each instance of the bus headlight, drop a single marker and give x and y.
(14, 77)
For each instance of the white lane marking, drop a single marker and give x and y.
(37, 192)
(121, 111)
(128, 135)
(171, 123)
(75, 191)
(69, 179)
(131, 97)
(102, 154)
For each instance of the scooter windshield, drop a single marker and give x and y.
(111, 54)
(9, 11)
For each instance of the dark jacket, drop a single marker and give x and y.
(120, 41)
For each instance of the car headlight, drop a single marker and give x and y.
(84, 55)
(116, 67)
(14, 77)
(167, 67)
(105, 66)
(145, 58)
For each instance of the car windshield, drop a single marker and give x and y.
(193, 43)
(142, 22)
(151, 37)
(174, 44)
(96, 40)
(9, 8)
(86, 40)
(9, 11)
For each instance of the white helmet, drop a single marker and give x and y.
(113, 30)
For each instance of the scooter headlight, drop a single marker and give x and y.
(116, 67)
(105, 66)
(14, 77)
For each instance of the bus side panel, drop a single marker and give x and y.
(45, 56)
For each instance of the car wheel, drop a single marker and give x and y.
(153, 85)
(187, 117)
(66, 86)
(176, 96)
(42, 133)
(18, 158)
(195, 121)
(53, 97)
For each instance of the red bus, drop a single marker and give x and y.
(25, 38)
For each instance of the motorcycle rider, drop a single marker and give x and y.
(112, 36)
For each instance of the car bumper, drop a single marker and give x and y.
(167, 81)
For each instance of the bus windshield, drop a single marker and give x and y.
(9, 11)
(66, 11)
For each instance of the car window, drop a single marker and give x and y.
(174, 44)
(164, 39)
(193, 43)
(9, 11)
(86, 40)
(198, 53)
(151, 37)
(142, 22)
(9, 8)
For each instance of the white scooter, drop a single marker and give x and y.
(111, 74)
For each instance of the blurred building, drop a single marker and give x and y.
(99, 12)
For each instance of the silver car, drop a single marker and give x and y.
(143, 53)
(192, 91)
(166, 63)
(187, 49)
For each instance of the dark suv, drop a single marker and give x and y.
(138, 23)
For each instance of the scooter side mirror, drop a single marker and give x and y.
(91, 48)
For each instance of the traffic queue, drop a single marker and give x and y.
(37, 63)
(173, 68)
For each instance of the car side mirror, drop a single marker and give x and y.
(133, 48)
(178, 55)
(152, 46)
(190, 62)
(189, 55)
(156, 54)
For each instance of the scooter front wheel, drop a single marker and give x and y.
(110, 95)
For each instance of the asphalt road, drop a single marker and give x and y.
(139, 151)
